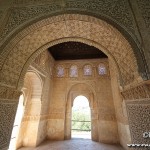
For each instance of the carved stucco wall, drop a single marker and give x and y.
(1, 14)
(132, 110)
(142, 14)
(137, 101)
(66, 88)
(144, 10)
(8, 106)
(80, 26)
(139, 119)
(37, 84)
(119, 13)
(33, 89)
(23, 11)
(120, 109)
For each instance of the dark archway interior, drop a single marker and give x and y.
(75, 51)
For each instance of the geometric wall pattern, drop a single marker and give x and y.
(144, 7)
(25, 10)
(7, 110)
(8, 106)
(84, 28)
(21, 13)
(139, 120)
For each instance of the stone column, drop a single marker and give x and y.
(94, 127)
(8, 105)
(68, 119)
(31, 123)
(94, 119)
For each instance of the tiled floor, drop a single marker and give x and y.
(74, 144)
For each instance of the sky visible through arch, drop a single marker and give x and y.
(81, 118)
(81, 103)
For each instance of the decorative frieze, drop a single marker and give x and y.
(35, 118)
(32, 2)
(9, 93)
(21, 15)
(119, 11)
(105, 117)
(52, 115)
(85, 70)
(138, 92)
(78, 25)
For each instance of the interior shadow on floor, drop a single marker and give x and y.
(74, 144)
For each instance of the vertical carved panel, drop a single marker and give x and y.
(1, 13)
(139, 120)
(8, 106)
(144, 6)
(7, 115)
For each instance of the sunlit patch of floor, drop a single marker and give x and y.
(82, 135)
(74, 144)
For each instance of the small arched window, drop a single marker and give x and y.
(60, 71)
(87, 70)
(102, 69)
(73, 71)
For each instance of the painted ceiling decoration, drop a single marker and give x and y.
(74, 51)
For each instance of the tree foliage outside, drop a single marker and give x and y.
(81, 121)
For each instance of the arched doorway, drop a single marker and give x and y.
(32, 88)
(86, 91)
(77, 31)
(81, 118)
(27, 51)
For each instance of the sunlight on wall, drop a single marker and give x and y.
(17, 122)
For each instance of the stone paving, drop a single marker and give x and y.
(74, 144)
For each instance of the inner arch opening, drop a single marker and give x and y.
(81, 118)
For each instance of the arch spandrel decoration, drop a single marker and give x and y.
(79, 26)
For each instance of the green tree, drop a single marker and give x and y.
(80, 120)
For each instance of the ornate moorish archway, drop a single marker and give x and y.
(33, 86)
(28, 43)
(31, 39)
